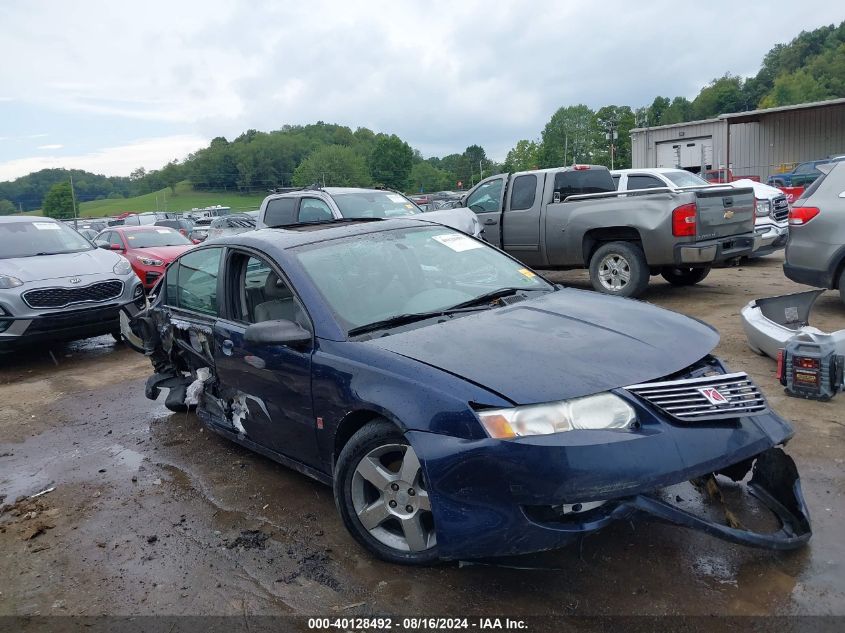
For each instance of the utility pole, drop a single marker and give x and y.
(73, 201)
(480, 171)
(565, 147)
(611, 136)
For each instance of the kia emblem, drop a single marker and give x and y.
(75, 280)
(714, 396)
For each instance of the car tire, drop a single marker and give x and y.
(372, 495)
(684, 276)
(619, 269)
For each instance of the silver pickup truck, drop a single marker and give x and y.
(573, 217)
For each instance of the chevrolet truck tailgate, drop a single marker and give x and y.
(724, 212)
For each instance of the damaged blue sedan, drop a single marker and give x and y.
(460, 405)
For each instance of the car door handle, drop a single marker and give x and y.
(491, 221)
(227, 347)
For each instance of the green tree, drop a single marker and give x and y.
(58, 203)
(679, 111)
(620, 119)
(796, 87)
(657, 109)
(568, 137)
(425, 177)
(171, 174)
(7, 208)
(391, 161)
(333, 165)
(524, 155)
(720, 96)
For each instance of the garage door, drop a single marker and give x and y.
(686, 153)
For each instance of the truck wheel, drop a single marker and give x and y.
(684, 276)
(619, 268)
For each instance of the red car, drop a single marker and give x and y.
(148, 248)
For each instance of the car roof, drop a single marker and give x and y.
(293, 236)
(132, 228)
(654, 170)
(25, 218)
(331, 191)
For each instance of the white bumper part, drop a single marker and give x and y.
(771, 322)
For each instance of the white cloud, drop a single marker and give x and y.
(150, 153)
(54, 146)
(441, 74)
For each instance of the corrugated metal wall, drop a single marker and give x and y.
(784, 138)
(757, 149)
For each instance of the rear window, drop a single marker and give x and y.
(581, 181)
(280, 212)
(524, 188)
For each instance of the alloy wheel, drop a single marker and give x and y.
(614, 272)
(390, 498)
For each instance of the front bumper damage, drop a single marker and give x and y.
(495, 498)
(772, 322)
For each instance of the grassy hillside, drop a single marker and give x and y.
(185, 199)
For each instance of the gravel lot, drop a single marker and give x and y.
(152, 514)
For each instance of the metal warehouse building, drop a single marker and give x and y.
(756, 143)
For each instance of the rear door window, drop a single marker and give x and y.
(642, 181)
(314, 210)
(524, 190)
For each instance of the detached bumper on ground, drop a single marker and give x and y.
(771, 322)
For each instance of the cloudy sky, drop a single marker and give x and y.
(110, 86)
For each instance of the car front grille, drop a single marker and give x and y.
(780, 208)
(60, 297)
(709, 398)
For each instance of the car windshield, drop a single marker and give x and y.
(27, 239)
(374, 204)
(377, 276)
(685, 179)
(156, 237)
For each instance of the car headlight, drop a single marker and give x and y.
(604, 411)
(149, 261)
(123, 267)
(7, 281)
(762, 207)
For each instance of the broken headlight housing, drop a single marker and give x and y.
(601, 412)
(123, 267)
(7, 281)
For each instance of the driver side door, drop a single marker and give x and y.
(486, 201)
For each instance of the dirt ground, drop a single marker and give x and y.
(149, 513)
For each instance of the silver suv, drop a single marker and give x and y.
(55, 285)
(314, 204)
(815, 253)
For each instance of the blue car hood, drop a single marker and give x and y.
(564, 344)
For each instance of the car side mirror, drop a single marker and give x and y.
(116, 247)
(277, 332)
(102, 244)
